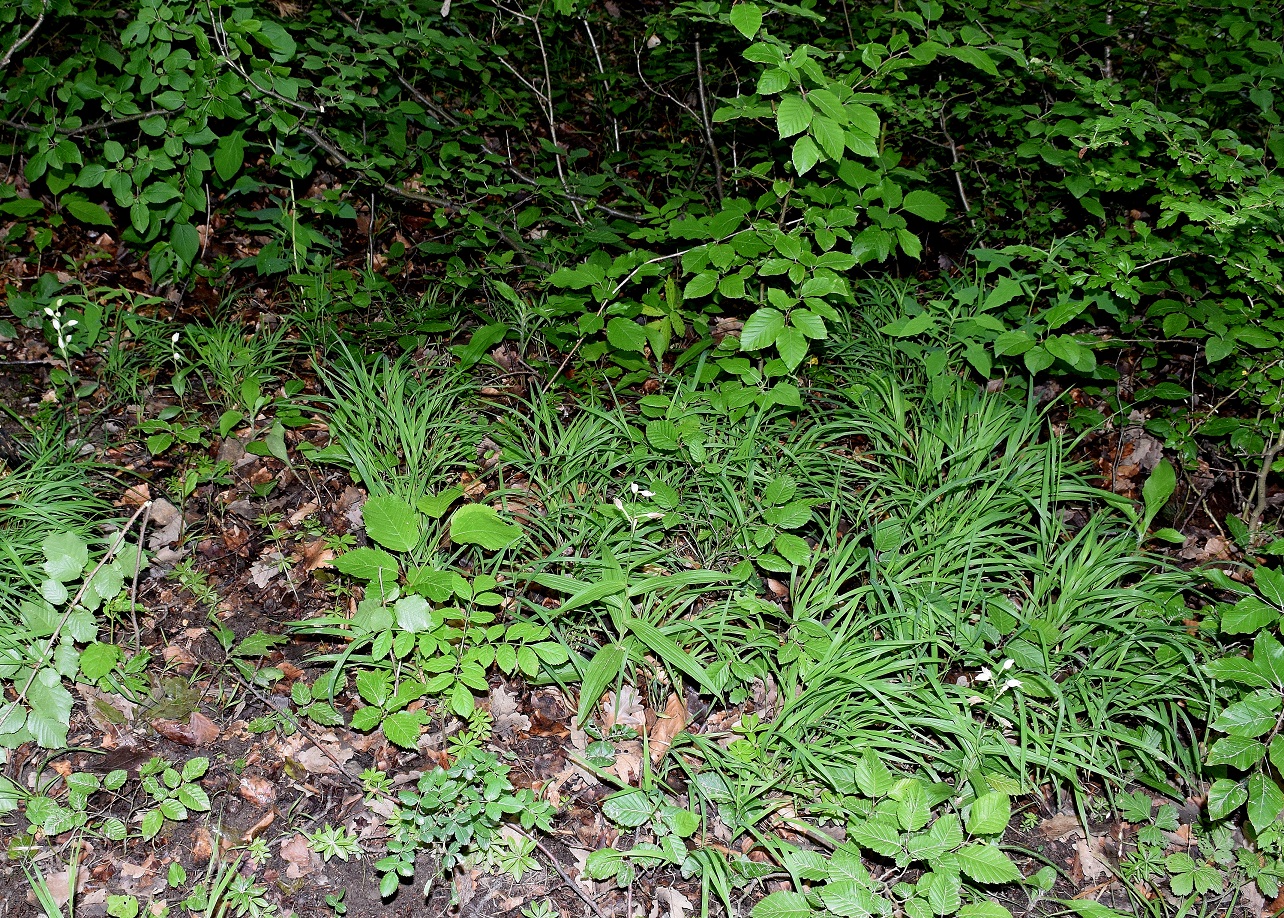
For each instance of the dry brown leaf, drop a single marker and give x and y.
(298, 516)
(678, 905)
(299, 858)
(257, 790)
(315, 554)
(1060, 827)
(671, 722)
(315, 761)
(202, 845)
(136, 495)
(626, 709)
(1091, 859)
(509, 721)
(628, 761)
(198, 731)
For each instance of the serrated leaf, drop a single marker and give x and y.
(479, 524)
(747, 19)
(630, 808)
(793, 115)
(372, 564)
(926, 205)
(1248, 615)
(626, 335)
(87, 212)
(782, 904)
(391, 522)
(761, 329)
(987, 864)
(151, 824)
(792, 548)
(66, 555)
(989, 814)
(663, 434)
(402, 728)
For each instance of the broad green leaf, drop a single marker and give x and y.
(761, 329)
(849, 898)
(747, 19)
(914, 811)
(792, 548)
(435, 506)
(926, 205)
(791, 343)
(701, 285)
(793, 115)
(1225, 797)
(186, 241)
(1158, 488)
(989, 814)
(373, 564)
(663, 435)
(98, 659)
(391, 522)
(414, 614)
(630, 808)
(87, 212)
(1248, 615)
(50, 709)
(805, 155)
(1265, 800)
(479, 524)
(984, 910)
(941, 889)
(1270, 583)
(829, 134)
(782, 904)
(229, 156)
(402, 728)
(1237, 751)
(1250, 717)
(66, 555)
(987, 864)
(1268, 657)
(626, 335)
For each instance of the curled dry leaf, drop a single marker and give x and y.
(198, 731)
(257, 790)
(509, 721)
(300, 859)
(671, 722)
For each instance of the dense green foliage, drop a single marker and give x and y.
(771, 254)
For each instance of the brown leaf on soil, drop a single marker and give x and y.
(298, 516)
(180, 658)
(315, 554)
(1060, 827)
(60, 885)
(257, 790)
(202, 845)
(198, 731)
(299, 858)
(1090, 860)
(625, 709)
(509, 721)
(136, 495)
(671, 722)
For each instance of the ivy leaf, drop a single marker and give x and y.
(761, 329)
(479, 524)
(793, 115)
(747, 18)
(391, 522)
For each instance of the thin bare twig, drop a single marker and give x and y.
(21, 40)
(708, 124)
(606, 87)
(958, 176)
